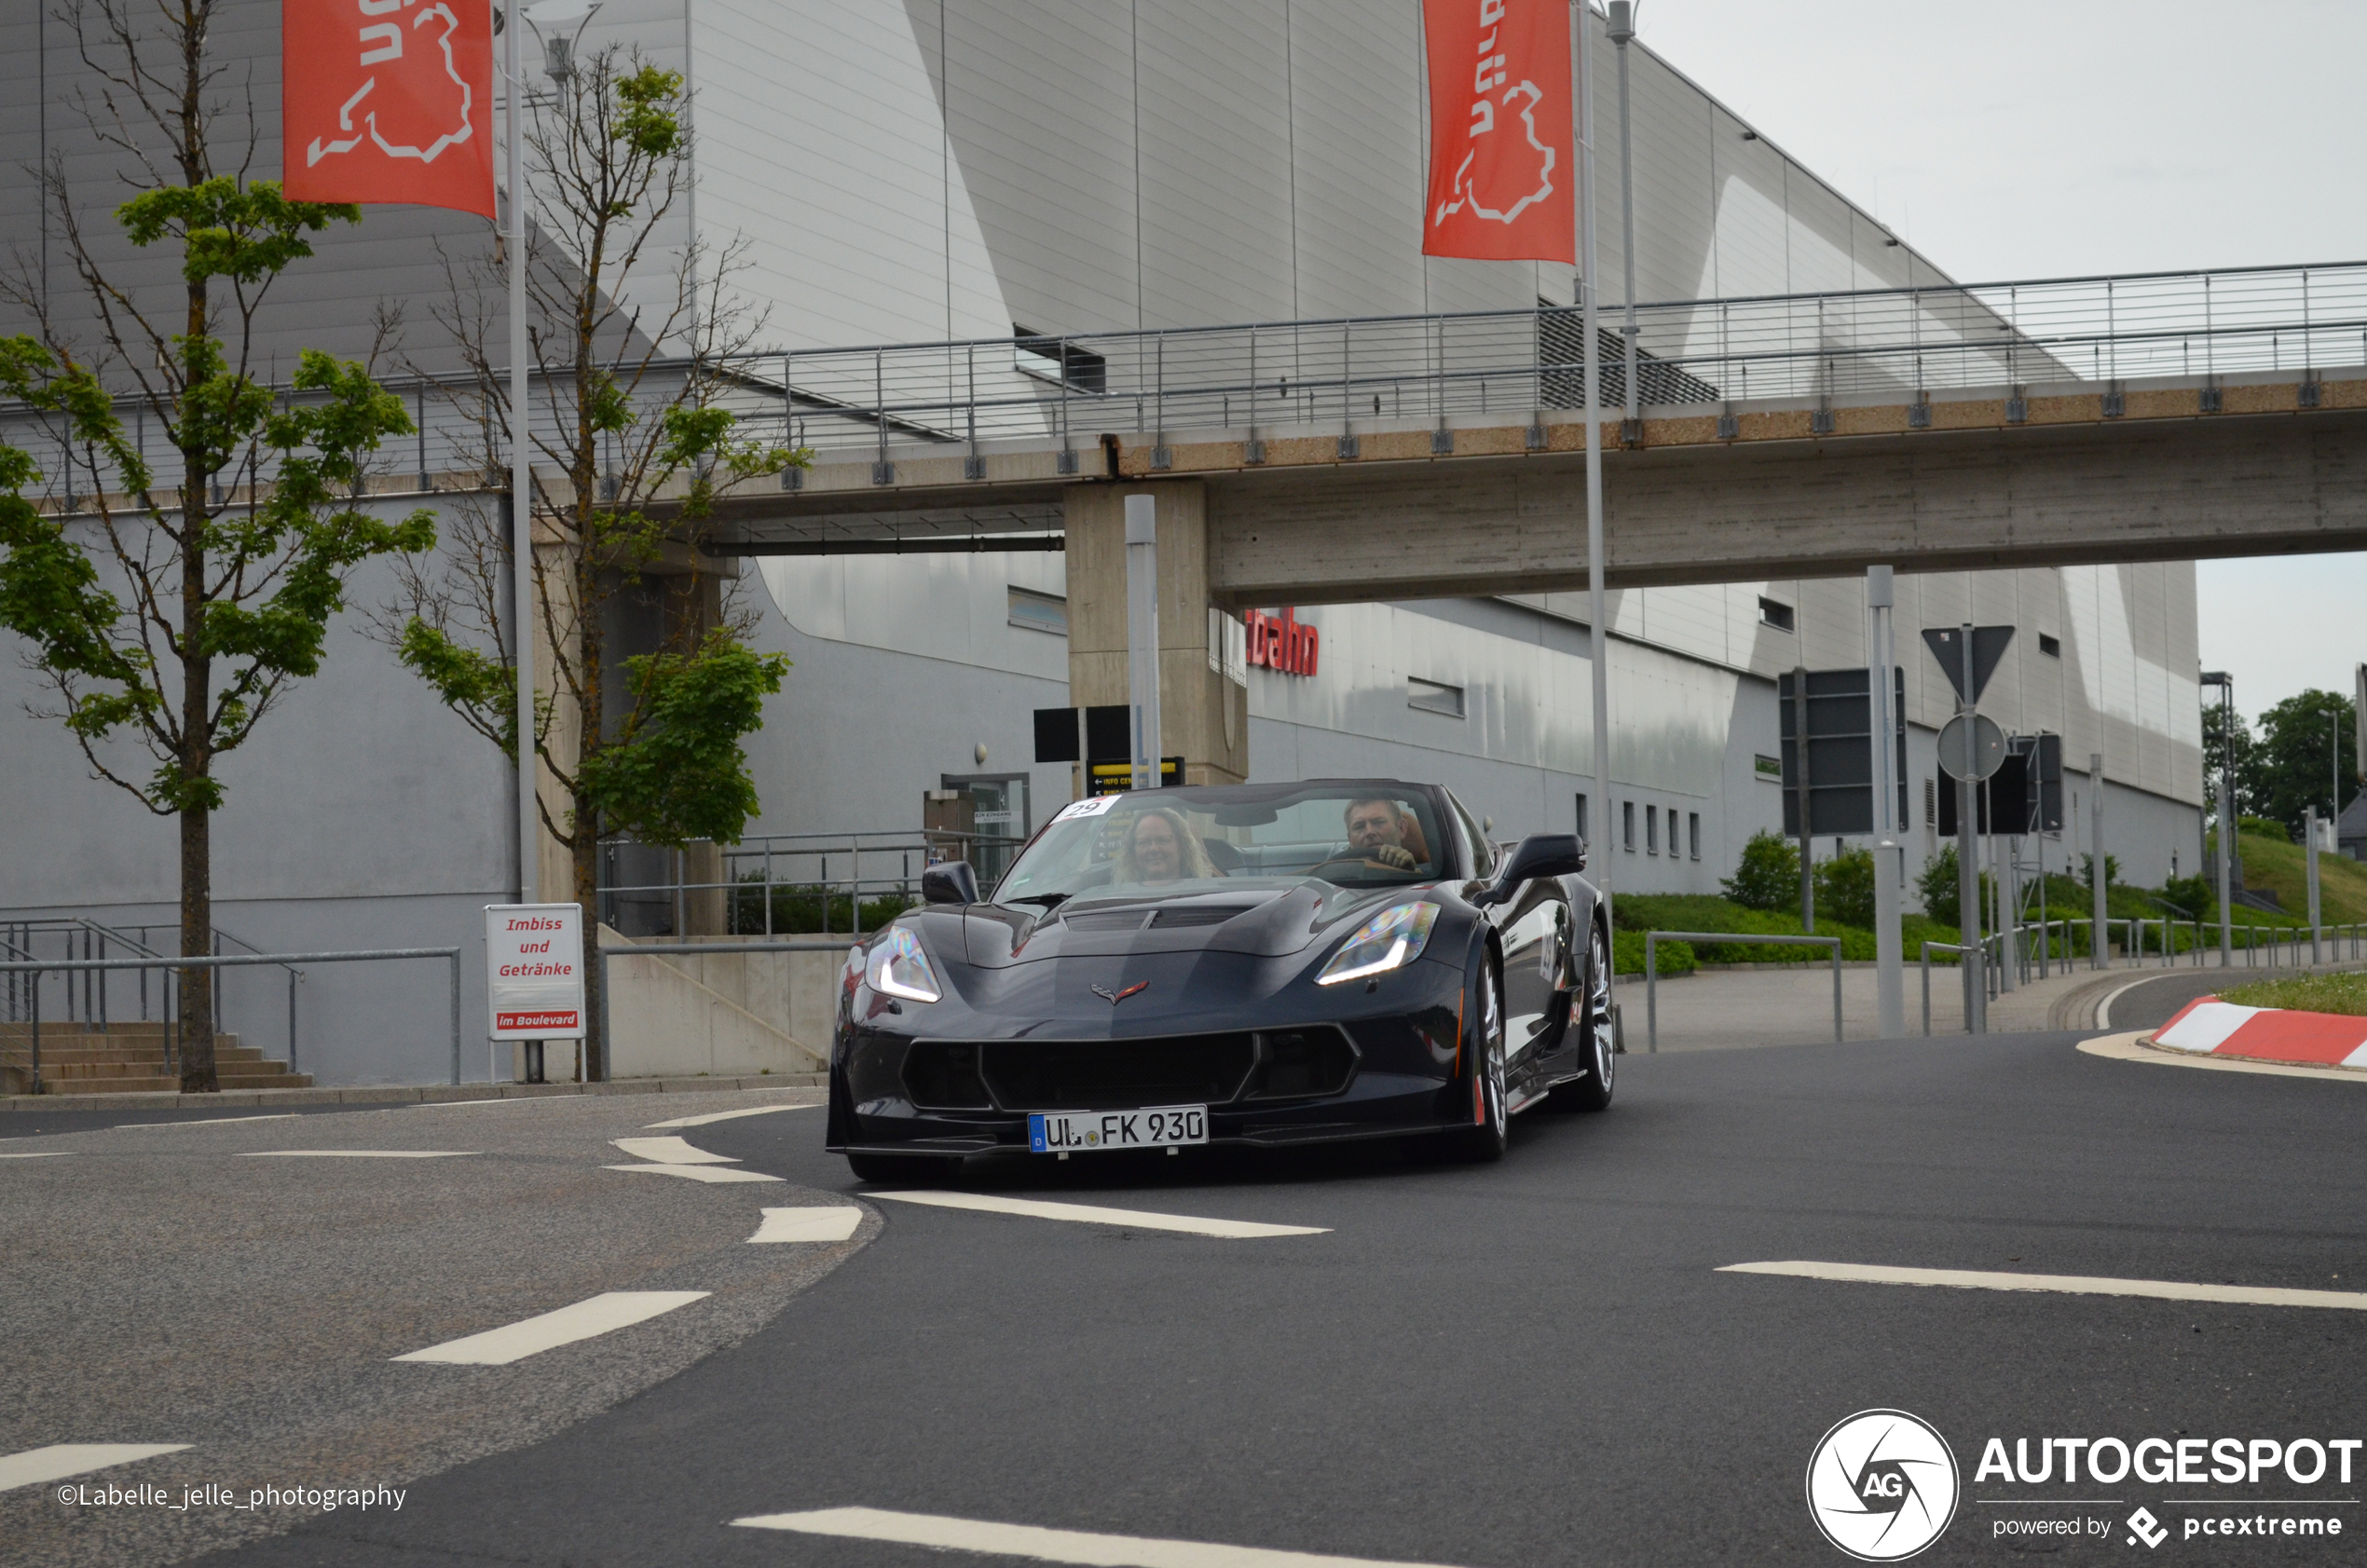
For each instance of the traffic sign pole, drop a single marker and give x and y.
(1968, 921)
(1890, 850)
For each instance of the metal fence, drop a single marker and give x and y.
(803, 883)
(1341, 375)
(33, 970)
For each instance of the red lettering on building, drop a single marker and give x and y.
(1286, 644)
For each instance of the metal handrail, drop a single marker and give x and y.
(231, 960)
(139, 945)
(1651, 970)
(1894, 344)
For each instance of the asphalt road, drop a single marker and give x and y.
(1530, 1363)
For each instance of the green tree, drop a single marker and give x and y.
(178, 612)
(1766, 876)
(2304, 758)
(633, 443)
(1845, 888)
(2220, 735)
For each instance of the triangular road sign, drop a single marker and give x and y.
(1947, 644)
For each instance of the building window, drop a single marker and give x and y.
(1652, 830)
(2051, 647)
(1693, 832)
(1039, 612)
(1582, 819)
(1769, 767)
(1775, 613)
(1931, 803)
(1627, 824)
(1432, 697)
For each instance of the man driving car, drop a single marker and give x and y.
(1376, 830)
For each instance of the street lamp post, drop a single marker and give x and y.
(2226, 684)
(1622, 28)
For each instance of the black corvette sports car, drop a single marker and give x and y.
(1252, 964)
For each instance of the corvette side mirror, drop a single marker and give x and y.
(1539, 855)
(953, 882)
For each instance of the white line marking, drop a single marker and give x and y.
(602, 1314)
(670, 1151)
(1091, 1215)
(358, 1153)
(39, 1154)
(731, 1115)
(60, 1460)
(2068, 1284)
(1047, 1545)
(718, 1174)
(808, 1224)
(207, 1121)
(2105, 1008)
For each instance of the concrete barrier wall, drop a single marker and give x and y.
(720, 1014)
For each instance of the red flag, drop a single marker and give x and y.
(1502, 169)
(385, 100)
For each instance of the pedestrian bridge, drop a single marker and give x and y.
(2052, 422)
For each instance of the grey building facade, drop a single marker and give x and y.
(907, 171)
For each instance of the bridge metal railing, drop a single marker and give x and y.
(1338, 375)
(798, 883)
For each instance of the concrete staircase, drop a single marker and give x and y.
(125, 1058)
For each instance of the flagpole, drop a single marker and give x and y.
(521, 477)
(1582, 46)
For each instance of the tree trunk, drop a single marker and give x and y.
(197, 940)
(595, 1002)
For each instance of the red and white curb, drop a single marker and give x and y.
(2209, 1026)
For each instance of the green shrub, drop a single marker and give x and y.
(1668, 958)
(1768, 875)
(807, 910)
(1938, 884)
(2196, 896)
(1845, 890)
(2263, 827)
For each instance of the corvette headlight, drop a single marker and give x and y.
(1390, 940)
(900, 967)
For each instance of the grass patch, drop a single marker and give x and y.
(2275, 865)
(2305, 993)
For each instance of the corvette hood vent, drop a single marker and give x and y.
(1197, 914)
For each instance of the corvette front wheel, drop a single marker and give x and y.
(1591, 1017)
(1485, 1140)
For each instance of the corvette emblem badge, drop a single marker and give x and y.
(1114, 998)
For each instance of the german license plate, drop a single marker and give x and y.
(1082, 1132)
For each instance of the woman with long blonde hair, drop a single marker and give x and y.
(1160, 846)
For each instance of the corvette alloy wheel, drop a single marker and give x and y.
(1486, 1139)
(1593, 1091)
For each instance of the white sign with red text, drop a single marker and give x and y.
(534, 971)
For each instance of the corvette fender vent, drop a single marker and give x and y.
(1116, 1074)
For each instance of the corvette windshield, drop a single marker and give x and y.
(1169, 842)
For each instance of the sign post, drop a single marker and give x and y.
(1970, 749)
(1890, 829)
(534, 976)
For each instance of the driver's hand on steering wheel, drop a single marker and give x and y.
(1396, 855)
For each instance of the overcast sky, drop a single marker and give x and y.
(2030, 141)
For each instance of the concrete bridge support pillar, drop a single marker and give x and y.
(1203, 715)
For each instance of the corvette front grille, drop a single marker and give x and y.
(1116, 1074)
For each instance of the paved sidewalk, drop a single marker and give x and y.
(1792, 1004)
